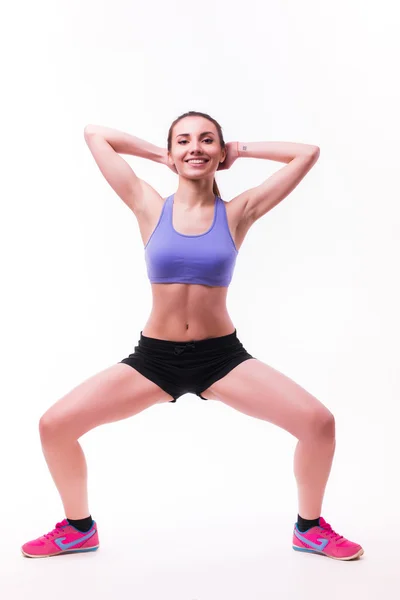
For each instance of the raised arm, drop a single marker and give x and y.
(257, 201)
(106, 145)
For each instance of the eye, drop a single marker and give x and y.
(205, 140)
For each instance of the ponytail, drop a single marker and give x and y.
(215, 189)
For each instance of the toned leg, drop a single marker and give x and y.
(258, 390)
(116, 393)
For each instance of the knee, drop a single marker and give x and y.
(50, 426)
(322, 424)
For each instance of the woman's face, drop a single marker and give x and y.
(195, 138)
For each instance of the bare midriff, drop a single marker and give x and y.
(187, 312)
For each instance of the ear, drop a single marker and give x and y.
(224, 153)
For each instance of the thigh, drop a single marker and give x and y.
(261, 391)
(116, 393)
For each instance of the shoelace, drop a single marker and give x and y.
(331, 533)
(58, 529)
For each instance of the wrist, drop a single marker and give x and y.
(162, 156)
(241, 148)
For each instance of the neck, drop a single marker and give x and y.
(194, 194)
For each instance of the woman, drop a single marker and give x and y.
(189, 343)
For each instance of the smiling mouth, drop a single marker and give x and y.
(202, 161)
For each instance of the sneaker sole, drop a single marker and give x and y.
(61, 552)
(356, 555)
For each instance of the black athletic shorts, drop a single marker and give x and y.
(180, 368)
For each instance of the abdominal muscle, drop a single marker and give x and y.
(187, 312)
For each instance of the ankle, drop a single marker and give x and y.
(305, 524)
(81, 524)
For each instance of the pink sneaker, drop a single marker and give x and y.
(64, 539)
(323, 540)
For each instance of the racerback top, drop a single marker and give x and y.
(207, 259)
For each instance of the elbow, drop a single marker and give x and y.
(313, 154)
(316, 151)
(89, 129)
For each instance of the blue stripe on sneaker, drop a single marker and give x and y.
(306, 550)
(62, 546)
(319, 547)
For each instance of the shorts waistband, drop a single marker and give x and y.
(216, 342)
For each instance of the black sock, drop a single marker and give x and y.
(304, 524)
(81, 524)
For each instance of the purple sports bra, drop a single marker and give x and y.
(208, 258)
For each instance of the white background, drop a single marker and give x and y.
(196, 501)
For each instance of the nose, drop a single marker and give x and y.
(195, 146)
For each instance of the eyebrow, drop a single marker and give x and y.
(204, 133)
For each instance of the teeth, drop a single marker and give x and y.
(197, 161)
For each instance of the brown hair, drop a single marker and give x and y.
(194, 113)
